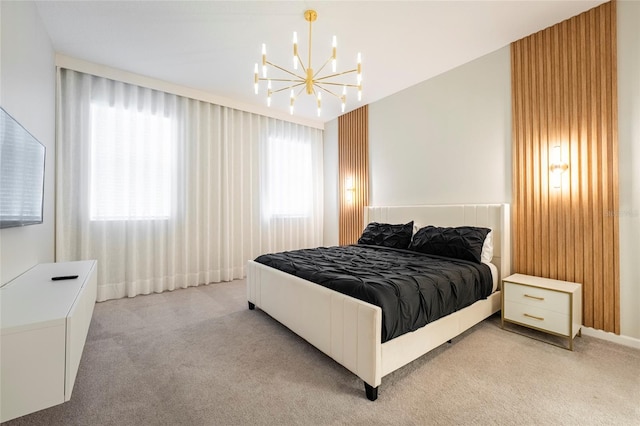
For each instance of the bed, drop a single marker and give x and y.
(350, 330)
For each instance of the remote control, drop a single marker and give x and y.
(64, 277)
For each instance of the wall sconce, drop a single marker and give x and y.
(349, 189)
(557, 167)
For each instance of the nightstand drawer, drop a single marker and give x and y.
(537, 297)
(537, 317)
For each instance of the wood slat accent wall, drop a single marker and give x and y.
(353, 163)
(564, 93)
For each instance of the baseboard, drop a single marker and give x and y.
(611, 337)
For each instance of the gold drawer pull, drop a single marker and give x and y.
(533, 297)
(534, 317)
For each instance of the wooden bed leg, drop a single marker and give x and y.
(372, 393)
(252, 306)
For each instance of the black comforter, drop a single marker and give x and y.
(412, 289)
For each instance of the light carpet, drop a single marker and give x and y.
(198, 356)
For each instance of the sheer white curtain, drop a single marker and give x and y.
(168, 192)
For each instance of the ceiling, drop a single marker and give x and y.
(212, 46)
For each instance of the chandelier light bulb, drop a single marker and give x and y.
(359, 93)
(269, 93)
(264, 60)
(333, 54)
(291, 101)
(255, 78)
(295, 50)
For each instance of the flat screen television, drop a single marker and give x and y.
(21, 174)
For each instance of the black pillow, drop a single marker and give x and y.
(463, 242)
(387, 235)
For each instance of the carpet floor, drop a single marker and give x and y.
(198, 356)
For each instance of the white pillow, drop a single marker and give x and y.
(487, 248)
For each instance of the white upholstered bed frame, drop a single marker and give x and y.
(349, 330)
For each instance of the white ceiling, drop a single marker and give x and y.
(212, 46)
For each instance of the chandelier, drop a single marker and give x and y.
(306, 79)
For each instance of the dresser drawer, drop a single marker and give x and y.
(537, 317)
(541, 298)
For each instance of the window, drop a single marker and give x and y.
(131, 167)
(289, 178)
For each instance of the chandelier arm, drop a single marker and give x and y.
(285, 70)
(327, 90)
(337, 74)
(288, 87)
(324, 65)
(304, 69)
(337, 84)
(281, 79)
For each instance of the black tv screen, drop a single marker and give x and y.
(21, 174)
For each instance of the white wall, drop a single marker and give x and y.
(27, 92)
(445, 140)
(629, 164)
(460, 120)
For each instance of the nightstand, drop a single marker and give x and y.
(543, 304)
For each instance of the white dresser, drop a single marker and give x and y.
(544, 304)
(44, 327)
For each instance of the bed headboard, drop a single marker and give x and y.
(494, 216)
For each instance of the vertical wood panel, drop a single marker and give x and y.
(564, 88)
(613, 168)
(353, 163)
(547, 90)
